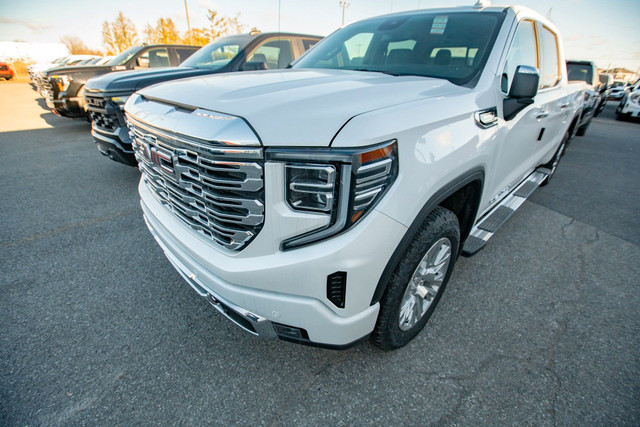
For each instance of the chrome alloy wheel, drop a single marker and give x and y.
(424, 284)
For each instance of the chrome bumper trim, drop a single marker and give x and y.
(262, 326)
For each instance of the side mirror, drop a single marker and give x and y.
(254, 66)
(525, 82)
(524, 88)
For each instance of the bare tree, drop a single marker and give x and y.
(119, 35)
(164, 32)
(196, 37)
(76, 46)
(219, 26)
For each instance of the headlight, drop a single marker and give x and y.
(310, 187)
(635, 98)
(63, 82)
(343, 184)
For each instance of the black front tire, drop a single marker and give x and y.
(439, 224)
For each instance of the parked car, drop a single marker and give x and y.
(37, 71)
(630, 103)
(105, 95)
(586, 71)
(606, 81)
(64, 86)
(104, 60)
(37, 67)
(6, 72)
(328, 202)
(618, 90)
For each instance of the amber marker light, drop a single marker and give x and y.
(380, 153)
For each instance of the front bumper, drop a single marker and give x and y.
(283, 289)
(67, 107)
(110, 144)
(109, 130)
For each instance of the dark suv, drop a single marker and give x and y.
(64, 86)
(105, 96)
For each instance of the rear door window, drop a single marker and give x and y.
(276, 53)
(308, 44)
(549, 63)
(183, 53)
(154, 58)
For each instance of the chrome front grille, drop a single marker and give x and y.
(47, 89)
(217, 190)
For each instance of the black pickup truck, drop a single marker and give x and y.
(105, 96)
(64, 86)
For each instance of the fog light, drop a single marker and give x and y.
(337, 288)
(290, 332)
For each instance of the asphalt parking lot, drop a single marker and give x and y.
(542, 327)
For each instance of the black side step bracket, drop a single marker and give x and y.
(500, 213)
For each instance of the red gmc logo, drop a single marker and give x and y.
(157, 156)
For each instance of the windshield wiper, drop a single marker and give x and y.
(390, 73)
(375, 71)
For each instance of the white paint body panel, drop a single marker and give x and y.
(438, 142)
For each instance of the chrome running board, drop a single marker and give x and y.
(496, 217)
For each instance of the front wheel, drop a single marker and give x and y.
(418, 281)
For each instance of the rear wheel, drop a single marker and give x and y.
(418, 281)
(583, 129)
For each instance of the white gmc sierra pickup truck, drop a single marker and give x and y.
(328, 202)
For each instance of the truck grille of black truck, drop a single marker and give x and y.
(103, 121)
(216, 190)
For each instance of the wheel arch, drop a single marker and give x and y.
(461, 196)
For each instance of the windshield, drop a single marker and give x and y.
(217, 54)
(124, 56)
(452, 46)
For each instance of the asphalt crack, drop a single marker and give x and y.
(69, 227)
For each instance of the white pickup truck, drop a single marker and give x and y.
(327, 203)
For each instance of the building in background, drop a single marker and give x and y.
(31, 52)
(622, 74)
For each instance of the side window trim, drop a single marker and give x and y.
(534, 26)
(539, 28)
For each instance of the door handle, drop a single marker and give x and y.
(542, 115)
(563, 106)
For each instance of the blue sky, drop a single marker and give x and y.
(605, 31)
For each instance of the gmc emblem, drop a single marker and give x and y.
(160, 158)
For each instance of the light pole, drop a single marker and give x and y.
(343, 4)
(186, 9)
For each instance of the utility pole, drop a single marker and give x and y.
(343, 4)
(186, 9)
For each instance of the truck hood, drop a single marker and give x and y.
(80, 69)
(298, 107)
(130, 81)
